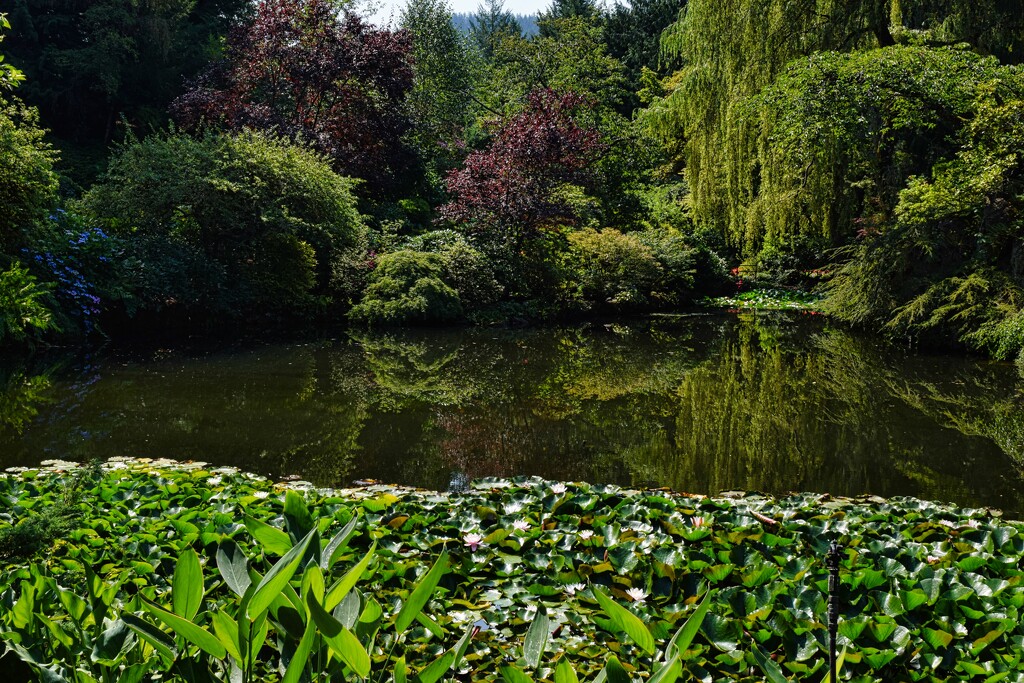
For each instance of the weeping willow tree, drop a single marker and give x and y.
(733, 49)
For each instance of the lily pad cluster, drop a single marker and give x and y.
(767, 299)
(928, 592)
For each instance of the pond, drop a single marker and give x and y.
(700, 403)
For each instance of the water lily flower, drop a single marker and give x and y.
(558, 488)
(520, 525)
(698, 522)
(214, 481)
(260, 494)
(513, 508)
(636, 594)
(574, 588)
(586, 534)
(474, 541)
(933, 559)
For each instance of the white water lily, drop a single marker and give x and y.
(513, 508)
(214, 481)
(520, 525)
(558, 488)
(586, 535)
(574, 588)
(636, 594)
(260, 494)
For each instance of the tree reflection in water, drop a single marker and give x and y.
(702, 404)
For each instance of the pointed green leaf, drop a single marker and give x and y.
(336, 545)
(430, 625)
(771, 670)
(161, 642)
(688, 631)
(936, 638)
(194, 634)
(626, 621)
(437, 668)
(234, 567)
(511, 674)
(615, 672)
(226, 630)
(112, 644)
(297, 664)
(669, 672)
(341, 640)
(536, 638)
(271, 539)
(187, 585)
(277, 578)
(296, 515)
(564, 673)
(421, 594)
(401, 670)
(341, 588)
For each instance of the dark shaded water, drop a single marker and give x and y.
(699, 404)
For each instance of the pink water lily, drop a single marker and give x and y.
(586, 535)
(474, 541)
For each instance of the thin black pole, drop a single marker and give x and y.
(832, 562)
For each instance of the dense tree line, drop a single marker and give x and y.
(620, 159)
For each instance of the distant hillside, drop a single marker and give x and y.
(528, 22)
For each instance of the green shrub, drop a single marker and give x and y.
(226, 225)
(25, 313)
(612, 269)
(28, 184)
(406, 288)
(465, 268)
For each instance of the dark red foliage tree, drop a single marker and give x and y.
(511, 185)
(309, 71)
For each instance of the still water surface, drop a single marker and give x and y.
(699, 404)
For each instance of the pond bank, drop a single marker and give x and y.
(929, 591)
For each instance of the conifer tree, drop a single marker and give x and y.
(492, 24)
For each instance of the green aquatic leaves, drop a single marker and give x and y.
(522, 579)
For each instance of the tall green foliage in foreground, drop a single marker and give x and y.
(520, 570)
(733, 49)
(226, 224)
